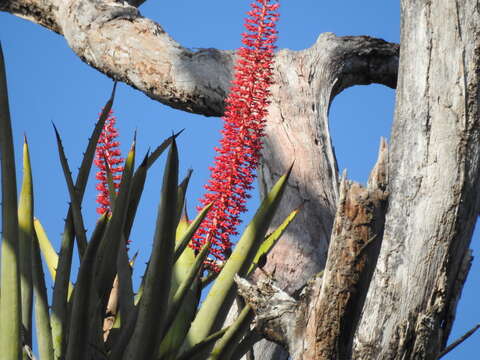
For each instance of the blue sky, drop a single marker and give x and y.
(47, 82)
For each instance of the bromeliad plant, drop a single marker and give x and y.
(100, 316)
(108, 160)
(244, 122)
(151, 323)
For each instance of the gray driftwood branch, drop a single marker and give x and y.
(116, 39)
(113, 37)
(320, 323)
(433, 168)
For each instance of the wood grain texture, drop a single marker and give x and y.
(434, 160)
(434, 181)
(319, 322)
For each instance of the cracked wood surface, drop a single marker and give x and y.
(352, 256)
(319, 324)
(335, 309)
(115, 39)
(434, 177)
(433, 169)
(298, 130)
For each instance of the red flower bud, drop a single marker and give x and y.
(244, 122)
(107, 149)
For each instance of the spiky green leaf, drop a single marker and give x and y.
(139, 178)
(181, 293)
(42, 316)
(190, 229)
(106, 264)
(10, 305)
(201, 350)
(173, 339)
(125, 292)
(182, 192)
(49, 254)
(214, 309)
(224, 347)
(271, 240)
(85, 300)
(25, 238)
(61, 286)
(161, 148)
(79, 228)
(138, 182)
(146, 337)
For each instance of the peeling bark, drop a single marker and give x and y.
(278, 316)
(433, 169)
(115, 39)
(352, 255)
(305, 85)
(321, 323)
(42, 12)
(434, 181)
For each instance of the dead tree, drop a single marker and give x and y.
(398, 250)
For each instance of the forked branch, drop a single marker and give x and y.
(320, 324)
(117, 40)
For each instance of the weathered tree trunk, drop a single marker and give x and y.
(320, 323)
(433, 168)
(306, 83)
(434, 182)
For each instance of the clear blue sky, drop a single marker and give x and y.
(47, 82)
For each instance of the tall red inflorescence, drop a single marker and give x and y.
(244, 123)
(107, 150)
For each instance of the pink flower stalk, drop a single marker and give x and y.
(244, 123)
(107, 150)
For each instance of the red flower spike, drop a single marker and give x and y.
(107, 149)
(244, 121)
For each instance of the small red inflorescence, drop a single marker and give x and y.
(107, 150)
(244, 123)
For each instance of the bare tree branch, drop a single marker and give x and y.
(115, 39)
(459, 341)
(352, 256)
(321, 321)
(136, 3)
(433, 168)
(42, 12)
(434, 177)
(364, 60)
